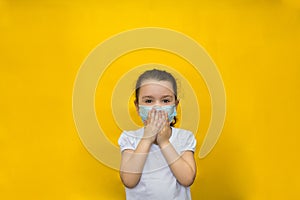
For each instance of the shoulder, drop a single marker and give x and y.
(133, 133)
(181, 133)
(183, 139)
(130, 139)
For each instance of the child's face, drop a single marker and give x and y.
(156, 93)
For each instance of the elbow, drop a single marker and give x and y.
(129, 181)
(187, 181)
(129, 185)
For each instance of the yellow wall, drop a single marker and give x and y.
(255, 45)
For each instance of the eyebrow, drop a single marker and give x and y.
(147, 97)
(151, 97)
(167, 96)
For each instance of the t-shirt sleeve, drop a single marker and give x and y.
(126, 142)
(190, 142)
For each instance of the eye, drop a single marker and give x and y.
(148, 101)
(166, 100)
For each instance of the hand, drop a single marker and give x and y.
(153, 125)
(164, 135)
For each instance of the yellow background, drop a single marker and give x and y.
(255, 44)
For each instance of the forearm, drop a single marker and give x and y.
(133, 163)
(183, 170)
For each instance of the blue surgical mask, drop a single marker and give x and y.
(144, 110)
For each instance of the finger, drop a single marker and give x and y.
(159, 115)
(161, 120)
(147, 121)
(155, 115)
(166, 118)
(156, 119)
(150, 116)
(162, 115)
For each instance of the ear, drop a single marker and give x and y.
(136, 105)
(176, 103)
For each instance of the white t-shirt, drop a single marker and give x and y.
(157, 181)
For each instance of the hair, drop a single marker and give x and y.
(159, 75)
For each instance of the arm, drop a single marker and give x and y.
(133, 161)
(183, 166)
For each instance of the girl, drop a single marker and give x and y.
(157, 160)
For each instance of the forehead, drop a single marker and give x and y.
(155, 88)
